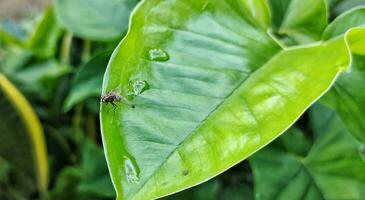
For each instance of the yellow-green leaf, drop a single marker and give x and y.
(22, 136)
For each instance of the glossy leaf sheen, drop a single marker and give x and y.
(216, 89)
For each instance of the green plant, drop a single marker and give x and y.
(203, 85)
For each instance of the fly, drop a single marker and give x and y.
(112, 98)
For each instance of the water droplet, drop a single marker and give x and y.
(156, 54)
(140, 86)
(131, 171)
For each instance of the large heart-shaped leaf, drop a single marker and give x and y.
(204, 87)
(23, 147)
(332, 169)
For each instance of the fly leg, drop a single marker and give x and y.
(114, 107)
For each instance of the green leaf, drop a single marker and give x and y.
(11, 33)
(209, 88)
(14, 59)
(88, 80)
(295, 142)
(44, 40)
(348, 95)
(24, 148)
(319, 118)
(294, 18)
(95, 19)
(352, 18)
(89, 180)
(332, 169)
(338, 7)
(41, 78)
(96, 179)
(235, 184)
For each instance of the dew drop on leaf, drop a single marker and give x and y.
(156, 54)
(140, 86)
(131, 171)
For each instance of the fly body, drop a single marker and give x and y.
(111, 98)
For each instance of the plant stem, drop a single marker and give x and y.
(91, 126)
(66, 48)
(76, 123)
(86, 51)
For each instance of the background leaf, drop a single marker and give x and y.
(95, 19)
(88, 80)
(44, 40)
(11, 33)
(294, 19)
(42, 77)
(338, 7)
(353, 18)
(89, 180)
(332, 169)
(347, 96)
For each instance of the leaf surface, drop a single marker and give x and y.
(209, 87)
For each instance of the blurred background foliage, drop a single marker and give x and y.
(52, 59)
